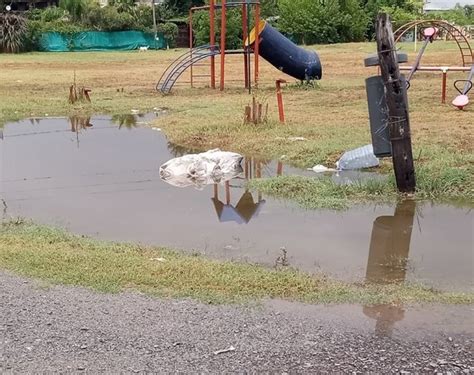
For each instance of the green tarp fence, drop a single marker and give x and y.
(100, 41)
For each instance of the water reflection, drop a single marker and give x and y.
(245, 209)
(129, 121)
(247, 206)
(387, 262)
(38, 181)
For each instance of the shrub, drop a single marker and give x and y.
(170, 31)
(201, 28)
(12, 32)
(75, 8)
(108, 18)
(311, 21)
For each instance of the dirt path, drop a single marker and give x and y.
(65, 329)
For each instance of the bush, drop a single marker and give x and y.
(75, 8)
(108, 18)
(170, 31)
(310, 22)
(201, 28)
(12, 32)
(461, 16)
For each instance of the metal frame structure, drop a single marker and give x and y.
(465, 49)
(466, 52)
(223, 6)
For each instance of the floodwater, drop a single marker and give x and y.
(100, 177)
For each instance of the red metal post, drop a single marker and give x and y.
(245, 36)
(191, 43)
(212, 13)
(257, 41)
(279, 168)
(223, 32)
(281, 112)
(443, 86)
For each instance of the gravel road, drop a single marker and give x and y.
(48, 329)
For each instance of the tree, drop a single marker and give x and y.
(74, 7)
(181, 7)
(322, 21)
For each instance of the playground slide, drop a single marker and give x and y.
(284, 55)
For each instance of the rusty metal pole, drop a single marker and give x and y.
(191, 44)
(212, 13)
(257, 42)
(245, 36)
(279, 168)
(398, 119)
(223, 32)
(443, 85)
(281, 111)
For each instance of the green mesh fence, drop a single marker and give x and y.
(100, 41)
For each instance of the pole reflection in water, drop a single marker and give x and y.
(387, 263)
(246, 208)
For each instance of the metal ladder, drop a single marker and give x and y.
(183, 62)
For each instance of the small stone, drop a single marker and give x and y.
(80, 368)
(83, 346)
(434, 365)
(450, 339)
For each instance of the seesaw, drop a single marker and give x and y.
(462, 99)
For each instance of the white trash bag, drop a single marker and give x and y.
(198, 170)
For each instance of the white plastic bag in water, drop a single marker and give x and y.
(198, 170)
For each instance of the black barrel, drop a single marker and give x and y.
(285, 55)
(378, 115)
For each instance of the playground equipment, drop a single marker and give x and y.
(263, 41)
(441, 27)
(462, 99)
(429, 35)
(213, 49)
(285, 55)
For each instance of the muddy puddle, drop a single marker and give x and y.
(99, 177)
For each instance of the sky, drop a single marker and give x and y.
(446, 4)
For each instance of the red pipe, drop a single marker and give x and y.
(213, 42)
(443, 87)
(223, 32)
(245, 36)
(257, 41)
(281, 112)
(191, 43)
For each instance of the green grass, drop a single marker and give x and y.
(58, 257)
(447, 177)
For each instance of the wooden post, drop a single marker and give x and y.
(395, 95)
